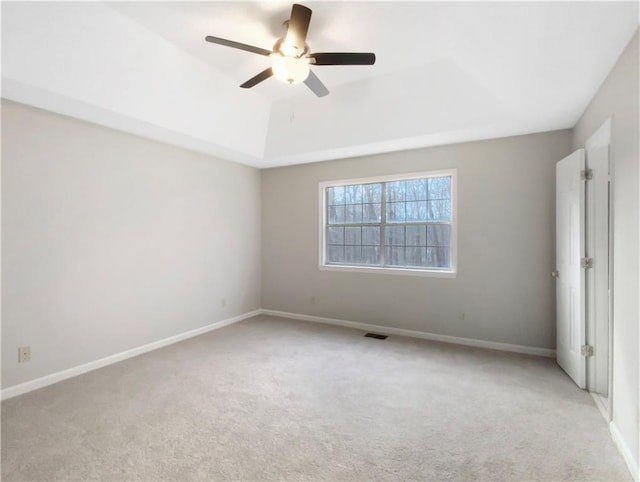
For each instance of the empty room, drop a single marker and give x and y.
(350, 241)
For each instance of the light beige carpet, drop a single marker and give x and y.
(270, 398)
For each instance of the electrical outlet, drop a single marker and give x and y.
(24, 354)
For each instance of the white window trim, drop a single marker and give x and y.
(431, 272)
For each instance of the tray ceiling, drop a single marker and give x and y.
(445, 72)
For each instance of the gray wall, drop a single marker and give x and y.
(503, 291)
(618, 98)
(111, 241)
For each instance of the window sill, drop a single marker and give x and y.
(392, 271)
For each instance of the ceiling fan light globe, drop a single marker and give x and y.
(291, 70)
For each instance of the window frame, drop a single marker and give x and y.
(450, 272)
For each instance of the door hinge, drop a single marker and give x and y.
(586, 350)
(586, 263)
(586, 174)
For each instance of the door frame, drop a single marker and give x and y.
(600, 138)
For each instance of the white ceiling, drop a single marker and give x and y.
(445, 72)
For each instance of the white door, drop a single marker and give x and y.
(570, 280)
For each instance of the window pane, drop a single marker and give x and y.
(394, 236)
(395, 191)
(439, 210)
(370, 255)
(372, 193)
(395, 212)
(416, 211)
(353, 194)
(353, 254)
(335, 235)
(394, 256)
(439, 188)
(371, 236)
(335, 195)
(438, 257)
(416, 190)
(336, 214)
(335, 254)
(353, 236)
(416, 228)
(438, 235)
(415, 256)
(353, 213)
(416, 236)
(371, 213)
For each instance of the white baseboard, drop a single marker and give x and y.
(493, 345)
(46, 380)
(624, 449)
(31, 385)
(602, 406)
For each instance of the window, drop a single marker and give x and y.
(403, 224)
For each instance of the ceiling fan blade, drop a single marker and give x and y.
(343, 58)
(237, 45)
(314, 83)
(298, 26)
(264, 75)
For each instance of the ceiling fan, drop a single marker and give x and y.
(292, 56)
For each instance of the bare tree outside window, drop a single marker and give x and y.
(401, 223)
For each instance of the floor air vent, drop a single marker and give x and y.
(376, 336)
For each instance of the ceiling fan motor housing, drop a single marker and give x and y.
(288, 50)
